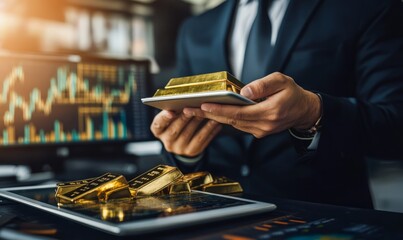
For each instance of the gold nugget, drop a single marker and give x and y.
(217, 81)
(154, 180)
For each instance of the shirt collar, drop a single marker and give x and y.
(244, 2)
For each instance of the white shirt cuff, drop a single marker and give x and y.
(314, 142)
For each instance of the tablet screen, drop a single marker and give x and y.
(126, 210)
(141, 215)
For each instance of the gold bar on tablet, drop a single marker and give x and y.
(223, 185)
(179, 187)
(91, 190)
(64, 187)
(218, 81)
(154, 180)
(197, 179)
(74, 183)
(115, 193)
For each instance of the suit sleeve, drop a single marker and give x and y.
(371, 124)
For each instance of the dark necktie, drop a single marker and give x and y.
(257, 52)
(258, 47)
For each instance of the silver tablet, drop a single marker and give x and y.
(145, 215)
(178, 102)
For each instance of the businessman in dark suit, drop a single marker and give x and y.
(332, 79)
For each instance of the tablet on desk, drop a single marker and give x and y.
(180, 101)
(148, 214)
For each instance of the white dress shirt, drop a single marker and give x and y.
(245, 15)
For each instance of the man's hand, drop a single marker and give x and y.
(285, 105)
(182, 134)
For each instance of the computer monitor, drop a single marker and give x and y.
(84, 104)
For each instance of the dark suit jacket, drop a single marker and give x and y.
(349, 51)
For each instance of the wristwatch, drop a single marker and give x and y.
(308, 134)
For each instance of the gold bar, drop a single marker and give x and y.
(218, 81)
(198, 179)
(154, 180)
(64, 187)
(208, 77)
(74, 183)
(179, 187)
(223, 185)
(208, 87)
(91, 190)
(116, 193)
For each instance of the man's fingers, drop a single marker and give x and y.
(189, 130)
(203, 114)
(266, 86)
(211, 135)
(204, 136)
(172, 132)
(214, 111)
(236, 120)
(258, 127)
(161, 121)
(220, 112)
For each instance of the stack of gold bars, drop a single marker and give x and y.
(217, 81)
(160, 180)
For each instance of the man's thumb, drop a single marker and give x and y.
(247, 92)
(254, 90)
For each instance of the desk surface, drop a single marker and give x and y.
(291, 220)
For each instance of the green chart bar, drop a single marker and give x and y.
(5, 137)
(26, 134)
(123, 119)
(42, 136)
(105, 121)
(57, 131)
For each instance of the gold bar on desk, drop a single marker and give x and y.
(219, 81)
(91, 190)
(198, 179)
(154, 180)
(223, 185)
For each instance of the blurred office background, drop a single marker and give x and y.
(141, 29)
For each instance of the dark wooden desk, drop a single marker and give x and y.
(291, 220)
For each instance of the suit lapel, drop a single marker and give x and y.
(295, 19)
(223, 24)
